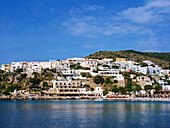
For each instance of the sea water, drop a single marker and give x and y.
(88, 114)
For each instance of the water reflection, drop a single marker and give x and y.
(84, 114)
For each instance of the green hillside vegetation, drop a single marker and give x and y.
(161, 59)
(9, 81)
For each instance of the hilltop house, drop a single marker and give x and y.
(92, 64)
(75, 60)
(5, 67)
(16, 65)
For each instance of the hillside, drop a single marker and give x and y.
(161, 59)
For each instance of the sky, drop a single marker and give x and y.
(58, 29)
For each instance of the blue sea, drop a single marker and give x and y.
(84, 114)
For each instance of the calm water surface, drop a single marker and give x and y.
(90, 114)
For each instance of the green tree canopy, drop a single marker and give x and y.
(105, 92)
(45, 84)
(86, 86)
(158, 88)
(115, 89)
(24, 75)
(83, 74)
(122, 90)
(115, 81)
(19, 70)
(148, 88)
(107, 81)
(136, 88)
(92, 89)
(35, 81)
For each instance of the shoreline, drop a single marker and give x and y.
(104, 99)
(137, 99)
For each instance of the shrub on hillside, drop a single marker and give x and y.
(98, 79)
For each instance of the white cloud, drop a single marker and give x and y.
(92, 7)
(158, 3)
(125, 28)
(129, 21)
(93, 28)
(93, 46)
(152, 11)
(150, 44)
(82, 26)
(85, 8)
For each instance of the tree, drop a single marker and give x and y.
(45, 84)
(6, 92)
(121, 90)
(89, 76)
(42, 93)
(98, 79)
(158, 88)
(2, 86)
(0, 79)
(2, 71)
(105, 92)
(86, 86)
(115, 81)
(148, 88)
(166, 77)
(24, 75)
(12, 87)
(168, 82)
(136, 88)
(19, 70)
(35, 81)
(143, 64)
(129, 89)
(107, 81)
(35, 74)
(83, 74)
(92, 89)
(115, 89)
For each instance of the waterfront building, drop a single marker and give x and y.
(66, 88)
(98, 91)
